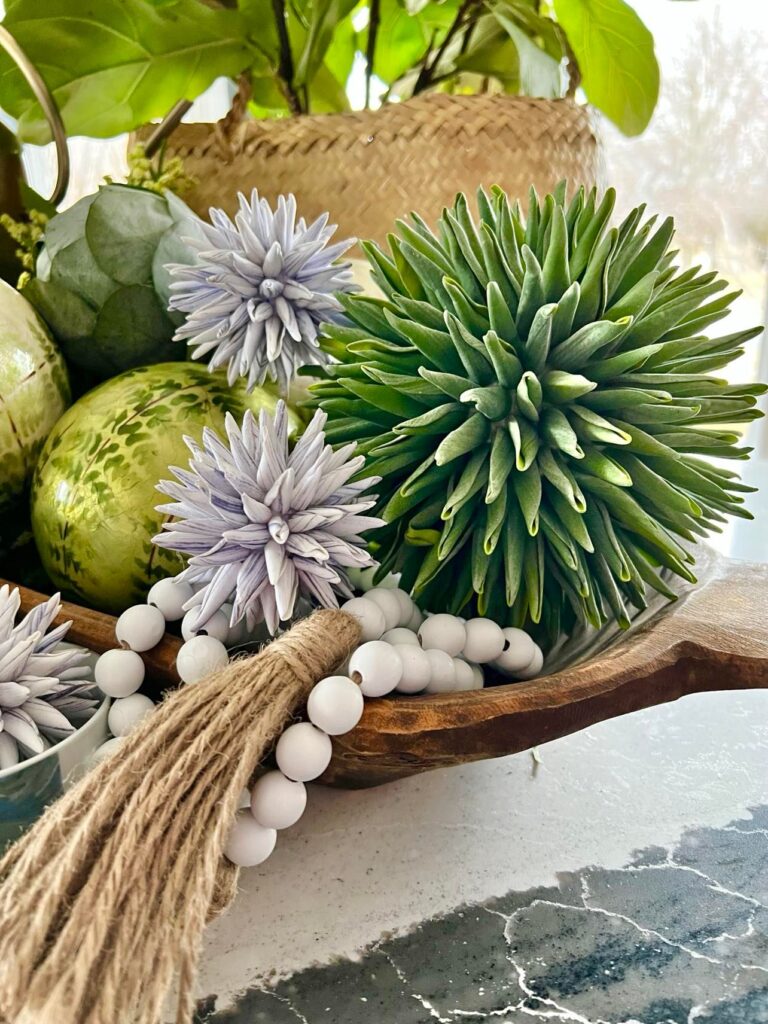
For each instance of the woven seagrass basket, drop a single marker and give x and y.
(370, 167)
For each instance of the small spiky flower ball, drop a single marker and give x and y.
(259, 290)
(537, 397)
(265, 524)
(41, 684)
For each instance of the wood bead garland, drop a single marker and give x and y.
(443, 632)
(141, 627)
(335, 705)
(170, 596)
(303, 752)
(126, 713)
(401, 650)
(119, 673)
(376, 665)
(249, 843)
(277, 801)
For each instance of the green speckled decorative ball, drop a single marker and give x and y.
(93, 493)
(34, 390)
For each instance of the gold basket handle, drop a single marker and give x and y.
(45, 98)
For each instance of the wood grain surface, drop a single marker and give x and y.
(714, 638)
(97, 631)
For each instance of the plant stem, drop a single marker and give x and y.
(574, 71)
(285, 69)
(374, 19)
(427, 73)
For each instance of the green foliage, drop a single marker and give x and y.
(156, 173)
(101, 283)
(119, 63)
(122, 63)
(28, 236)
(538, 397)
(615, 55)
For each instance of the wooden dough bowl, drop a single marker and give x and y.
(715, 637)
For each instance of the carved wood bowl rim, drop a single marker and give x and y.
(714, 637)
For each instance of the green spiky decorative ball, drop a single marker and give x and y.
(538, 399)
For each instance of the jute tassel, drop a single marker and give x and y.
(104, 901)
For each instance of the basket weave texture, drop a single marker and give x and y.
(370, 167)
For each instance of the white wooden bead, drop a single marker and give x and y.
(369, 615)
(485, 641)
(517, 654)
(141, 627)
(443, 672)
(477, 672)
(534, 668)
(444, 633)
(244, 800)
(417, 670)
(303, 752)
(119, 673)
(406, 606)
(127, 712)
(199, 657)
(249, 843)
(170, 596)
(401, 635)
(416, 619)
(278, 802)
(217, 626)
(335, 705)
(106, 750)
(465, 677)
(386, 600)
(377, 667)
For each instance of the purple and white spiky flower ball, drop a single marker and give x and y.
(42, 684)
(264, 524)
(260, 289)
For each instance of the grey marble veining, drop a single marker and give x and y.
(679, 935)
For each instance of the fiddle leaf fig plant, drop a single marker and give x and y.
(122, 63)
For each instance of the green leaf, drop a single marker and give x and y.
(463, 439)
(473, 477)
(403, 38)
(578, 350)
(562, 388)
(526, 442)
(614, 49)
(538, 72)
(123, 229)
(150, 331)
(68, 315)
(558, 432)
(502, 462)
(324, 16)
(496, 56)
(527, 487)
(259, 17)
(115, 65)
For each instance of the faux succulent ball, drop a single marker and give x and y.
(259, 290)
(101, 282)
(538, 398)
(264, 524)
(42, 685)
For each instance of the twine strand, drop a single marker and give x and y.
(106, 898)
